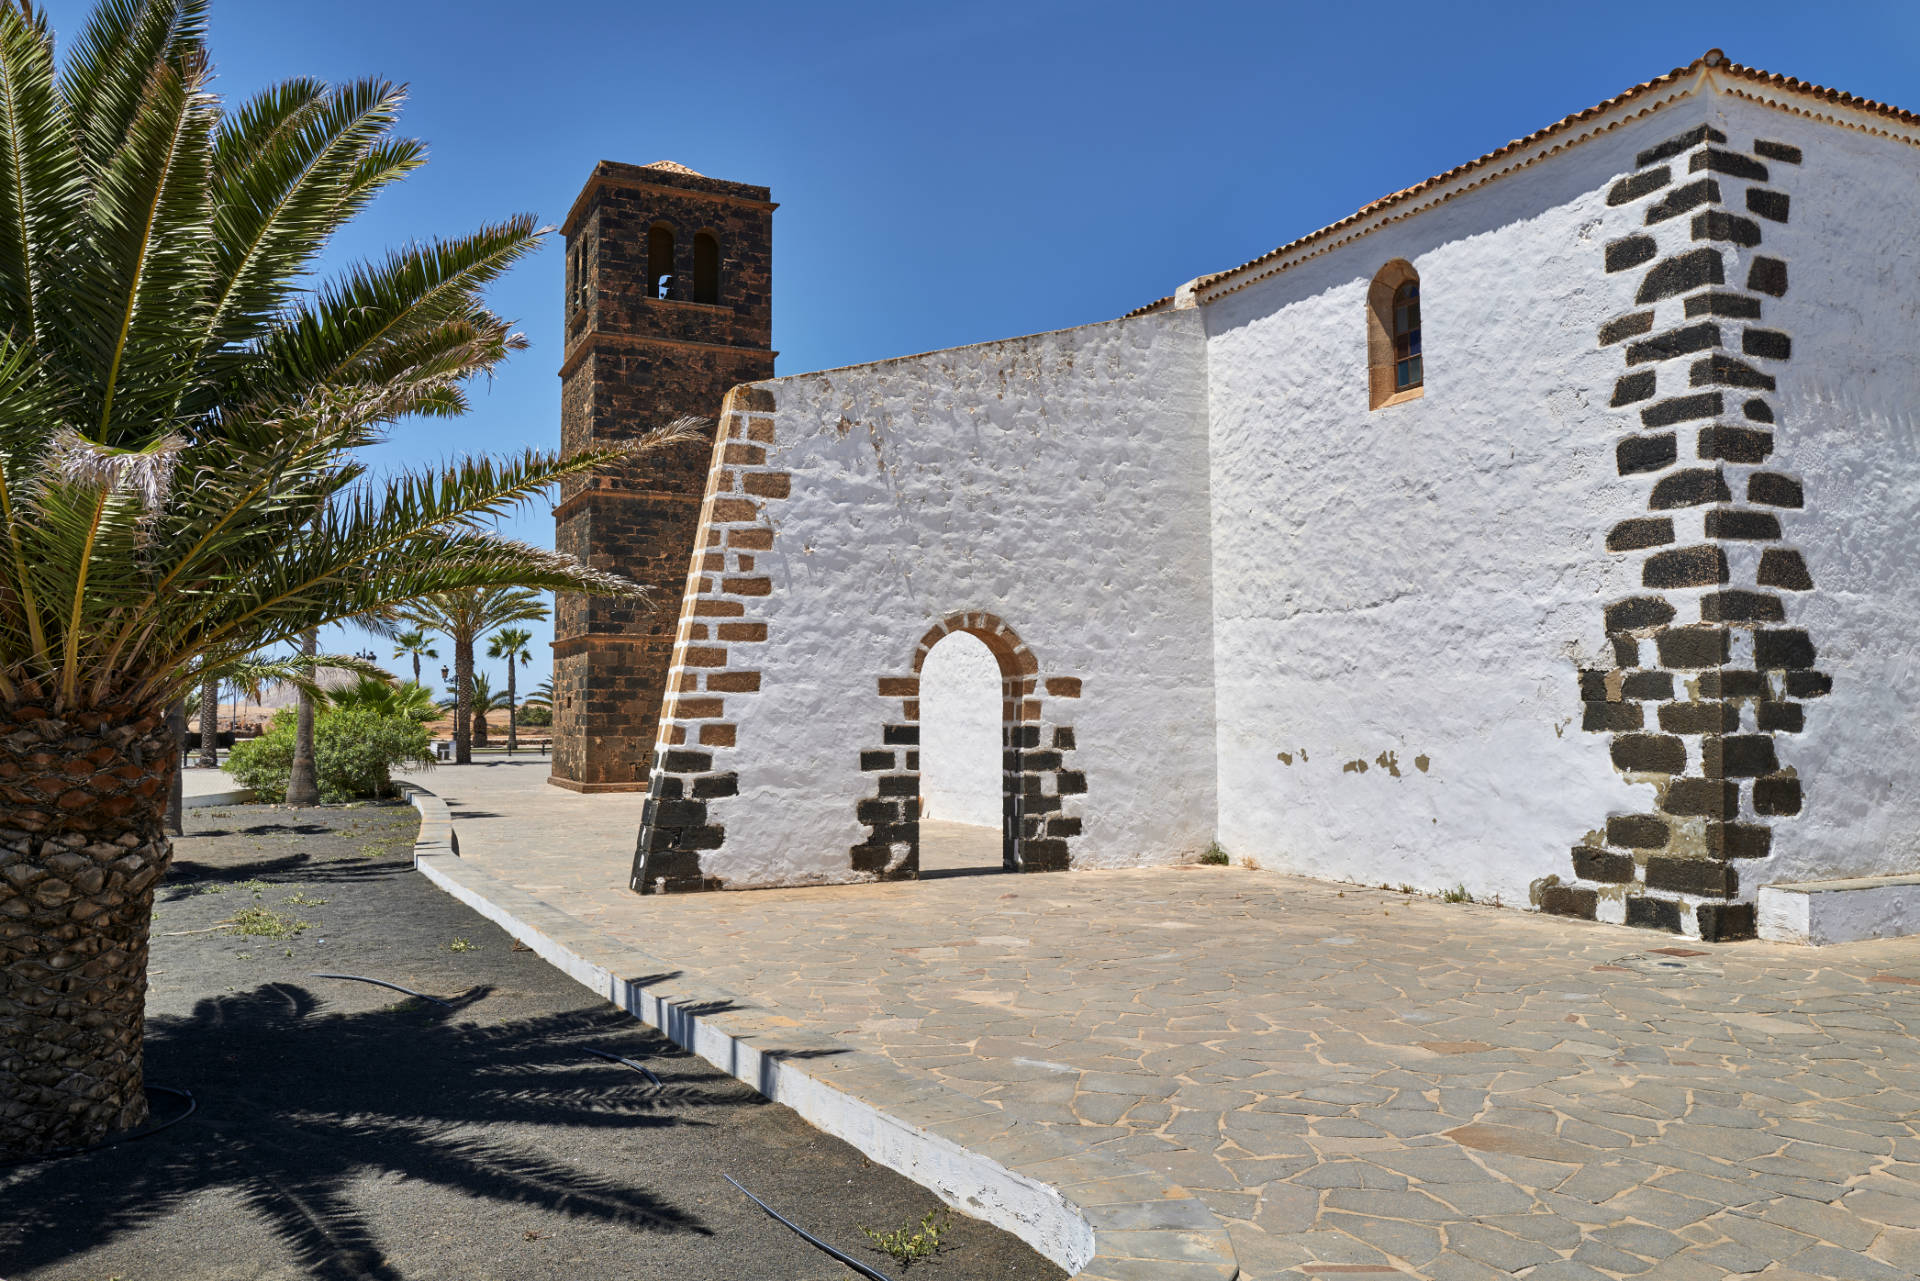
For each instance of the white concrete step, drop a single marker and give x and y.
(1844, 911)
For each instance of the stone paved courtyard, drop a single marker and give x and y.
(1355, 1081)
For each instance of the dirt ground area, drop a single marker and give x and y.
(345, 1130)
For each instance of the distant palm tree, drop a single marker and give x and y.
(463, 617)
(209, 722)
(542, 695)
(511, 643)
(182, 406)
(409, 698)
(482, 700)
(414, 644)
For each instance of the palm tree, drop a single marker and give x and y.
(251, 675)
(181, 407)
(542, 695)
(482, 699)
(210, 722)
(463, 617)
(414, 644)
(511, 643)
(409, 698)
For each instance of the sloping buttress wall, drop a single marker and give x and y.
(1048, 494)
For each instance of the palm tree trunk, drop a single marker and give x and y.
(209, 723)
(80, 855)
(176, 798)
(416, 667)
(303, 786)
(513, 736)
(462, 701)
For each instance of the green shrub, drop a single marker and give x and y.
(354, 752)
(536, 715)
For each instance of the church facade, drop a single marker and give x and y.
(1546, 529)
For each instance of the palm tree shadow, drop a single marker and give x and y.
(187, 877)
(299, 1106)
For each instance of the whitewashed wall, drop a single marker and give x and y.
(1057, 481)
(960, 777)
(1405, 595)
(1849, 428)
(1346, 641)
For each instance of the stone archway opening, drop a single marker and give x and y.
(961, 758)
(1041, 791)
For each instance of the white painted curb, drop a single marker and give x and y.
(1098, 1217)
(239, 796)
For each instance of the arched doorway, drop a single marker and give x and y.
(960, 758)
(1042, 794)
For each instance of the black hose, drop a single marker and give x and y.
(361, 978)
(641, 1068)
(55, 1155)
(811, 1239)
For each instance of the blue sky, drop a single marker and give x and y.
(954, 174)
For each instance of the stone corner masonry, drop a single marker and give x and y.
(1707, 680)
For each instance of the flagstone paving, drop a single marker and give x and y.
(1356, 1082)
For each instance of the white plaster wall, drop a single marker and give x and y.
(1849, 428)
(1404, 596)
(1058, 481)
(960, 732)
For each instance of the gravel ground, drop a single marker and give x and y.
(348, 1131)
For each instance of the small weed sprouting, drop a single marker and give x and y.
(300, 898)
(243, 956)
(1407, 889)
(265, 923)
(258, 886)
(211, 889)
(1215, 856)
(1458, 894)
(461, 945)
(907, 1244)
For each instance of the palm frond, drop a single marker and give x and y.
(123, 47)
(140, 290)
(284, 180)
(42, 182)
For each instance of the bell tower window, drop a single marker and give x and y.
(706, 267)
(660, 282)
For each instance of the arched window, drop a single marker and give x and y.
(1396, 363)
(577, 268)
(706, 268)
(660, 263)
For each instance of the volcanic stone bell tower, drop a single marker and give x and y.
(668, 305)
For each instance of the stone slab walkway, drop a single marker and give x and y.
(1352, 1081)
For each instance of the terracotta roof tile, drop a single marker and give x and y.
(1713, 59)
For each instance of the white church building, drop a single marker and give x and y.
(1548, 528)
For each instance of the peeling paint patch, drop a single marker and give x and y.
(1388, 762)
(1354, 767)
(1286, 758)
(1421, 762)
